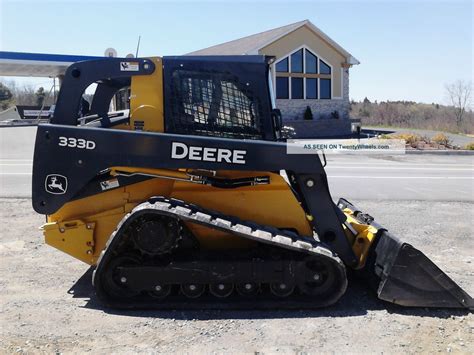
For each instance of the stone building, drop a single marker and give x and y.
(310, 70)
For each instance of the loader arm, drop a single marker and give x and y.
(165, 151)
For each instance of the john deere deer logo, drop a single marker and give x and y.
(55, 184)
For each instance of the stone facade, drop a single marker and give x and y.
(345, 85)
(324, 123)
(317, 128)
(293, 110)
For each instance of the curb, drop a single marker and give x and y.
(18, 126)
(21, 123)
(440, 152)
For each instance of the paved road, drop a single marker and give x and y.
(16, 155)
(403, 177)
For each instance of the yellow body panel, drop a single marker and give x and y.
(108, 208)
(146, 100)
(273, 204)
(75, 238)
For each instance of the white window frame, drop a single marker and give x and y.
(288, 55)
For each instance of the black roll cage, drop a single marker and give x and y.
(110, 77)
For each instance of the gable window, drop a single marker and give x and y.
(311, 63)
(297, 62)
(311, 88)
(303, 75)
(325, 87)
(324, 68)
(282, 66)
(296, 88)
(282, 88)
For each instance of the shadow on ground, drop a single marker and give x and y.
(357, 301)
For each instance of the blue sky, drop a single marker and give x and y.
(408, 49)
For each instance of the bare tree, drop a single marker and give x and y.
(5, 97)
(459, 95)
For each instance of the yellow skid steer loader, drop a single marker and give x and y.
(188, 199)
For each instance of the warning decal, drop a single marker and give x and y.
(129, 66)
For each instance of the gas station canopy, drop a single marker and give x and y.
(37, 64)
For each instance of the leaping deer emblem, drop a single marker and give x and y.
(56, 185)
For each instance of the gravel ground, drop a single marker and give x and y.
(47, 304)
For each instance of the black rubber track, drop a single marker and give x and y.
(249, 230)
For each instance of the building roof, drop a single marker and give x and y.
(37, 64)
(253, 43)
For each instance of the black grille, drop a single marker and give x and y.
(213, 104)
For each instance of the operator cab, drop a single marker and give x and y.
(220, 96)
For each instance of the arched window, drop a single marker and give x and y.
(302, 75)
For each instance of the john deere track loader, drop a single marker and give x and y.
(189, 198)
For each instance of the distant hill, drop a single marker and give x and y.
(408, 114)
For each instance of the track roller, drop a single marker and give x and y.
(316, 277)
(160, 291)
(221, 290)
(247, 289)
(281, 289)
(193, 290)
(117, 286)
